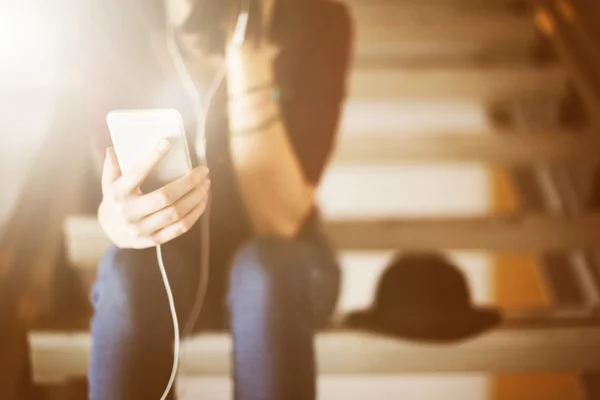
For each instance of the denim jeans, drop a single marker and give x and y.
(278, 292)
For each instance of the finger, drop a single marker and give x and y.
(143, 206)
(179, 228)
(132, 179)
(174, 213)
(111, 170)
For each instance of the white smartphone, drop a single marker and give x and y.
(135, 133)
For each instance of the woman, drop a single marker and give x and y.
(273, 278)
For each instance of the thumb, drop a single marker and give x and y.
(111, 170)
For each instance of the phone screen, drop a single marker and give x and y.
(135, 134)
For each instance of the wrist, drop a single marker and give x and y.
(248, 68)
(245, 86)
(250, 120)
(254, 99)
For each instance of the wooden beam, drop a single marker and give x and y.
(463, 5)
(86, 242)
(414, 12)
(14, 364)
(554, 26)
(59, 356)
(505, 149)
(419, 30)
(496, 234)
(465, 83)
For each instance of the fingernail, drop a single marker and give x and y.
(163, 145)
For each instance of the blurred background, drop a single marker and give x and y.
(469, 128)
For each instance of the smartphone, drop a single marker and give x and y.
(135, 133)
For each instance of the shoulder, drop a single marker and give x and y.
(335, 24)
(326, 33)
(335, 14)
(298, 20)
(329, 10)
(325, 49)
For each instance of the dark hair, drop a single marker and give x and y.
(207, 20)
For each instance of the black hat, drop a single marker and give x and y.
(424, 297)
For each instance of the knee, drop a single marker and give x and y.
(268, 271)
(120, 278)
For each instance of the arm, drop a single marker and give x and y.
(278, 167)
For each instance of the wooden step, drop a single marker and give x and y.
(498, 148)
(14, 368)
(416, 30)
(497, 234)
(466, 83)
(86, 241)
(579, 71)
(495, 6)
(60, 356)
(369, 10)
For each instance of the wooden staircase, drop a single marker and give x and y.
(467, 51)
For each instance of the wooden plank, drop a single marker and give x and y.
(463, 5)
(504, 149)
(465, 83)
(86, 242)
(370, 10)
(554, 28)
(60, 356)
(497, 234)
(400, 29)
(14, 366)
(396, 26)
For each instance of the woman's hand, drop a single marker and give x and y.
(274, 190)
(132, 219)
(250, 64)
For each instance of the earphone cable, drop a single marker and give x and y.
(200, 148)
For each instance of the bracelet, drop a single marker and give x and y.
(274, 92)
(252, 89)
(260, 127)
(258, 88)
(242, 104)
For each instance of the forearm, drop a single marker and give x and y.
(273, 187)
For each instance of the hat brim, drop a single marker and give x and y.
(441, 328)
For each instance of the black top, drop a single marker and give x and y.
(311, 71)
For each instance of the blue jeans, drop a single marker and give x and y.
(278, 292)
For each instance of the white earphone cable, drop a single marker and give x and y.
(200, 148)
(165, 279)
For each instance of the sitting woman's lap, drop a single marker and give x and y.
(278, 292)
